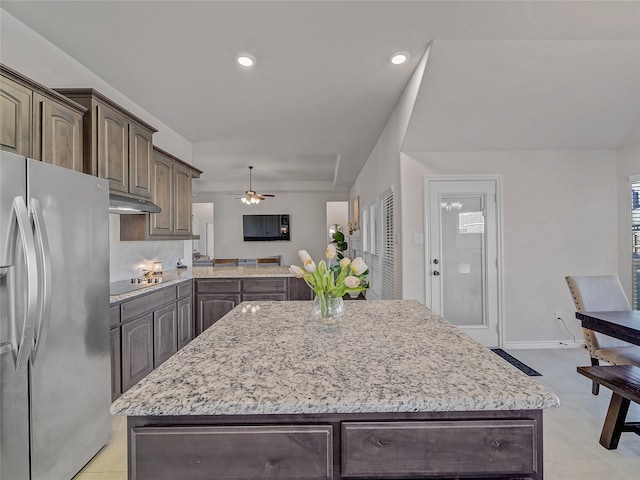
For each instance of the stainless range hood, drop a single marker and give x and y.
(123, 205)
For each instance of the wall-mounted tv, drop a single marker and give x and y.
(264, 228)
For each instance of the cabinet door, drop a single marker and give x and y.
(15, 117)
(211, 308)
(137, 350)
(140, 160)
(113, 148)
(165, 334)
(116, 367)
(185, 321)
(58, 134)
(299, 290)
(162, 223)
(183, 200)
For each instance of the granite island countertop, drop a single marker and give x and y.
(383, 356)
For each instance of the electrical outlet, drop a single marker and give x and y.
(557, 315)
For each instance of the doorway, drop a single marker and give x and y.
(463, 254)
(203, 226)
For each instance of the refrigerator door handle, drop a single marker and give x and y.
(44, 276)
(19, 218)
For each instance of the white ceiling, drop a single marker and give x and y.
(501, 75)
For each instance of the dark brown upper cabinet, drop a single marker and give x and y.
(171, 190)
(118, 145)
(38, 122)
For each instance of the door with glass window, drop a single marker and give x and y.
(462, 255)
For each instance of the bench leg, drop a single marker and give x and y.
(614, 422)
(595, 386)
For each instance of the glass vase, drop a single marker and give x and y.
(327, 309)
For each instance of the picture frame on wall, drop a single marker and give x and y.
(356, 213)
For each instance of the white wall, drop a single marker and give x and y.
(628, 164)
(382, 169)
(32, 55)
(308, 224)
(126, 257)
(559, 218)
(24, 50)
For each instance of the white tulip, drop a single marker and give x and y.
(344, 263)
(304, 256)
(352, 282)
(331, 251)
(310, 266)
(297, 271)
(358, 266)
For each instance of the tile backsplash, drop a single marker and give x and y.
(126, 257)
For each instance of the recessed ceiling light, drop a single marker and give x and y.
(399, 58)
(246, 60)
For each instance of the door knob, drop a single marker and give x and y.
(436, 273)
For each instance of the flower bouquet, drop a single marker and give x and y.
(330, 283)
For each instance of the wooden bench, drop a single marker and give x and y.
(624, 382)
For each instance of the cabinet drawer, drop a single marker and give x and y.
(185, 289)
(262, 285)
(147, 303)
(291, 452)
(439, 448)
(255, 297)
(218, 285)
(114, 316)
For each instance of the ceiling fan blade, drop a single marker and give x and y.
(267, 195)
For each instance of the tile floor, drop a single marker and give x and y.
(571, 432)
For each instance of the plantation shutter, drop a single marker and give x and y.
(374, 265)
(387, 288)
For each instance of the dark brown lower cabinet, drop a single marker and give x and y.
(137, 350)
(146, 331)
(165, 334)
(333, 446)
(215, 297)
(211, 308)
(116, 368)
(185, 321)
(299, 290)
(294, 452)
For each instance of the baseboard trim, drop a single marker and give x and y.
(544, 344)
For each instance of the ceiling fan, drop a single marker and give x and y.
(251, 197)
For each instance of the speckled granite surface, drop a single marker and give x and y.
(171, 278)
(241, 272)
(384, 356)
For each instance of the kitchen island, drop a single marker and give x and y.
(392, 391)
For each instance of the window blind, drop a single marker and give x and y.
(378, 246)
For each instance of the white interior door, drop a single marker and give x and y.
(462, 254)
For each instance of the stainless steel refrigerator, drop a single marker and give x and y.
(54, 319)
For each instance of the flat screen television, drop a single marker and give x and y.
(264, 228)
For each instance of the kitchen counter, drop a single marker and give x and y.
(392, 391)
(177, 276)
(170, 278)
(241, 272)
(384, 356)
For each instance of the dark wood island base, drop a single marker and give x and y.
(418, 445)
